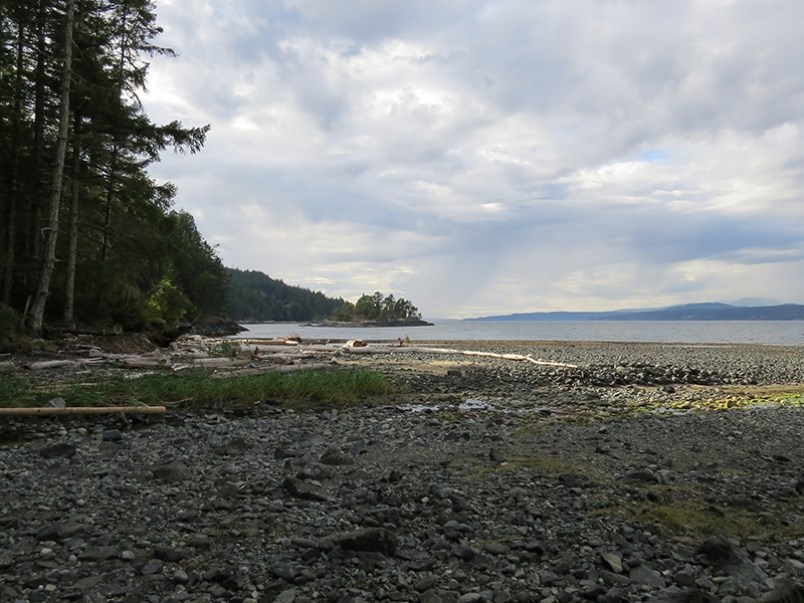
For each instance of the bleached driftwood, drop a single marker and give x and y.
(142, 362)
(445, 351)
(282, 349)
(285, 357)
(219, 362)
(49, 364)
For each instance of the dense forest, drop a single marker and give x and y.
(255, 296)
(86, 236)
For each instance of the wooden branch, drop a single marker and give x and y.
(82, 410)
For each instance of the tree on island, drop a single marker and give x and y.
(377, 308)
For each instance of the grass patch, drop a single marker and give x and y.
(694, 517)
(314, 386)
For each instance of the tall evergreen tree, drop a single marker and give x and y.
(37, 315)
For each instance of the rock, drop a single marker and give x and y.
(233, 447)
(56, 403)
(729, 559)
(172, 473)
(215, 326)
(786, 593)
(614, 561)
(425, 584)
(50, 531)
(462, 552)
(166, 553)
(642, 475)
(304, 490)
(496, 548)
(645, 575)
(111, 435)
(497, 455)
(375, 540)
(59, 451)
(683, 595)
(334, 456)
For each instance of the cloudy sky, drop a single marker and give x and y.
(493, 156)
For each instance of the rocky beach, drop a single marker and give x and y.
(640, 472)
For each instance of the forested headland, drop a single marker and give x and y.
(256, 297)
(87, 237)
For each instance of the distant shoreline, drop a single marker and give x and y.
(686, 312)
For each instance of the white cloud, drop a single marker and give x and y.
(501, 156)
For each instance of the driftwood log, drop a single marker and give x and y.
(445, 351)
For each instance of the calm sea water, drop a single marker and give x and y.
(787, 332)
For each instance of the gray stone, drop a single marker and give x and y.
(683, 595)
(377, 540)
(334, 456)
(56, 403)
(172, 473)
(59, 451)
(305, 490)
(613, 560)
(112, 435)
(647, 576)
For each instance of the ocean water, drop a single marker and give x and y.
(783, 332)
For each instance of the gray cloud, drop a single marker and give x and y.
(496, 156)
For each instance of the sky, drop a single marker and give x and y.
(482, 157)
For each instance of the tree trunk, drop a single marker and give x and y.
(34, 242)
(37, 316)
(13, 188)
(110, 192)
(72, 257)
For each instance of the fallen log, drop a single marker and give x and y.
(141, 362)
(48, 364)
(283, 349)
(445, 351)
(218, 362)
(82, 410)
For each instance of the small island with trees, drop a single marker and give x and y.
(376, 310)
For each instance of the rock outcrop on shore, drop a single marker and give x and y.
(485, 481)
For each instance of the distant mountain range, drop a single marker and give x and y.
(702, 311)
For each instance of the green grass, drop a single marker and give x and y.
(694, 517)
(314, 386)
